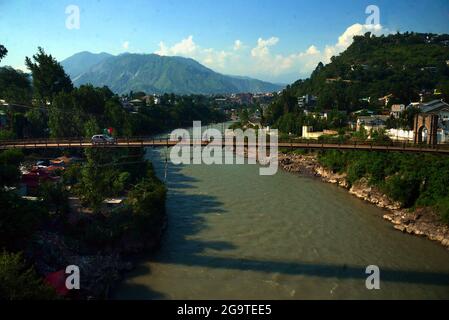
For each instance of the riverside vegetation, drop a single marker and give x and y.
(38, 237)
(69, 223)
(401, 66)
(49, 234)
(413, 188)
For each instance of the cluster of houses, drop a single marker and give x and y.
(135, 104)
(369, 121)
(3, 115)
(240, 99)
(33, 175)
(435, 107)
(264, 99)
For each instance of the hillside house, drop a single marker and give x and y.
(308, 133)
(385, 99)
(373, 122)
(397, 109)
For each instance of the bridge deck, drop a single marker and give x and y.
(148, 142)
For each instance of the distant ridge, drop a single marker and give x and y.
(152, 73)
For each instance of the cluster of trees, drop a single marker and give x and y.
(19, 281)
(174, 111)
(117, 173)
(49, 105)
(403, 65)
(106, 173)
(19, 220)
(376, 66)
(285, 115)
(415, 180)
(399, 64)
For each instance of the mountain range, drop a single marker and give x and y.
(152, 73)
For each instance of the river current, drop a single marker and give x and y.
(233, 234)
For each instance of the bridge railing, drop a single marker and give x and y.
(364, 143)
(290, 142)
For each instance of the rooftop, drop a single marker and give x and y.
(434, 106)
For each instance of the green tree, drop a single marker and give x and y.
(49, 78)
(90, 100)
(116, 117)
(9, 167)
(65, 118)
(100, 178)
(20, 282)
(3, 52)
(18, 218)
(15, 86)
(91, 127)
(55, 197)
(37, 123)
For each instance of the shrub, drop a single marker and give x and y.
(9, 167)
(333, 160)
(442, 207)
(55, 197)
(19, 282)
(403, 188)
(18, 219)
(355, 172)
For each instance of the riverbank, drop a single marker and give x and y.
(89, 214)
(101, 268)
(421, 221)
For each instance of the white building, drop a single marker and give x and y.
(397, 109)
(373, 122)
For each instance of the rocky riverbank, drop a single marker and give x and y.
(420, 222)
(100, 268)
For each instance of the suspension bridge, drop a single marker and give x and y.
(138, 142)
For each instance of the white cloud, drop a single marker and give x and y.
(125, 45)
(312, 50)
(303, 63)
(22, 68)
(262, 48)
(212, 58)
(238, 45)
(185, 47)
(345, 40)
(260, 61)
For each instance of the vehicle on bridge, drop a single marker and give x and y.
(103, 139)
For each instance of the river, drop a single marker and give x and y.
(233, 234)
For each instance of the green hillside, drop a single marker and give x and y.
(403, 65)
(82, 61)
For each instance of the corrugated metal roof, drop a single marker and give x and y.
(434, 106)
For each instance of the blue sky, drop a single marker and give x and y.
(272, 40)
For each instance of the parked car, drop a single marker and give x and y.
(42, 163)
(103, 139)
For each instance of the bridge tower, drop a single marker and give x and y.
(427, 122)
